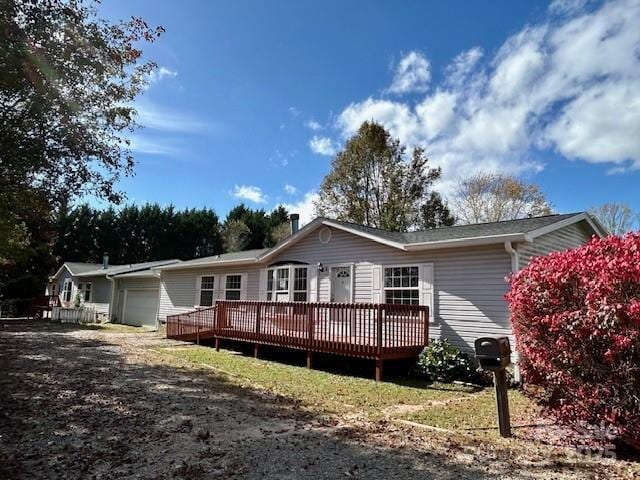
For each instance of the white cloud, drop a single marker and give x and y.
(294, 111)
(322, 146)
(570, 83)
(155, 117)
(412, 74)
(159, 74)
(304, 207)
(313, 125)
(250, 193)
(290, 189)
(151, 145)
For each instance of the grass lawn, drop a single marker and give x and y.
(477, 414)
(328, 392)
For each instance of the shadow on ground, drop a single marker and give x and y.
(75, 404)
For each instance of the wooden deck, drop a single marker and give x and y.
(375, 331)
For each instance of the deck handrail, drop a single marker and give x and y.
(352, 328)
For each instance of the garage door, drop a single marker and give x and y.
(140, 307)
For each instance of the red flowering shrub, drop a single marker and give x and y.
(576, 318)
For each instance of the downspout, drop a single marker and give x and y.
(515, 266)
(113, 290)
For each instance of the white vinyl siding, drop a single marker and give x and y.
(468, 283)
(100, 293)
(559, 240)
(178, 288)
(464, 287)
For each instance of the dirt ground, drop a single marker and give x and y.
(77, 403)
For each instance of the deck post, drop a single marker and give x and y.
(379, 329)
(378, 369)
(309, 359)
(256, 351)
(426, 327)
(258, 305)
(217, 344)
(198, 334)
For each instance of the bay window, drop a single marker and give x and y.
(287, 283)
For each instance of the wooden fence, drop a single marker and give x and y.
(376, 331)
(73, 315)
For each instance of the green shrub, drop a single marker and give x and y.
(440, 361)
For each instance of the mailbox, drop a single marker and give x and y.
(493, 353)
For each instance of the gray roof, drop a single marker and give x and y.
(401, 239)
(489, 229)
(78, 267)
(138, 274)
(119, 269)
(227, 257)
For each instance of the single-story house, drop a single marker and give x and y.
(127, 293)
(459, 271)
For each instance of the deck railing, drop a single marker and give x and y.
(358, 329)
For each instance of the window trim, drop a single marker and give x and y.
(66, 291)
(84, 292)
(417, 288)
(212, 290)
(291, 278)
(239, 289)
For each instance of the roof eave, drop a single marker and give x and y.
(593, 223)
(310, 227)
(213, 263)
(466, 242)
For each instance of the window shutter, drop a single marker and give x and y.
(376, 284)
(196, 300)
(312, 272)
(263, 284)
(426, 288)
(243, 286)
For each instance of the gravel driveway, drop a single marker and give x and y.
(79, 403)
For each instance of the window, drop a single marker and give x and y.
(288, 282)
(88, 287)
(233, 287)
(401, 285)
(300, 284)
(53, 289)
(206, 291)
(66, 291)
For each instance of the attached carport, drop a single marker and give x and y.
(137, 296)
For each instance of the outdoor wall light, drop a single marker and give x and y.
(321, 267)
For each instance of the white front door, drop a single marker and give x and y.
(341, 284)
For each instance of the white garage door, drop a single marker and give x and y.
(140, 307)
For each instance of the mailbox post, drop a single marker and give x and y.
(494, 355)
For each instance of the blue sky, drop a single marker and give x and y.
(252, 98)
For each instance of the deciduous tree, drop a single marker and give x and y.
(487, 197)
(373, 183)
(617, 218)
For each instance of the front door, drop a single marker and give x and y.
(341, 284)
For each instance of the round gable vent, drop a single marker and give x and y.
(324, 235)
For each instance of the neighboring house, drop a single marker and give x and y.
(127, 293)
(459, 272)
